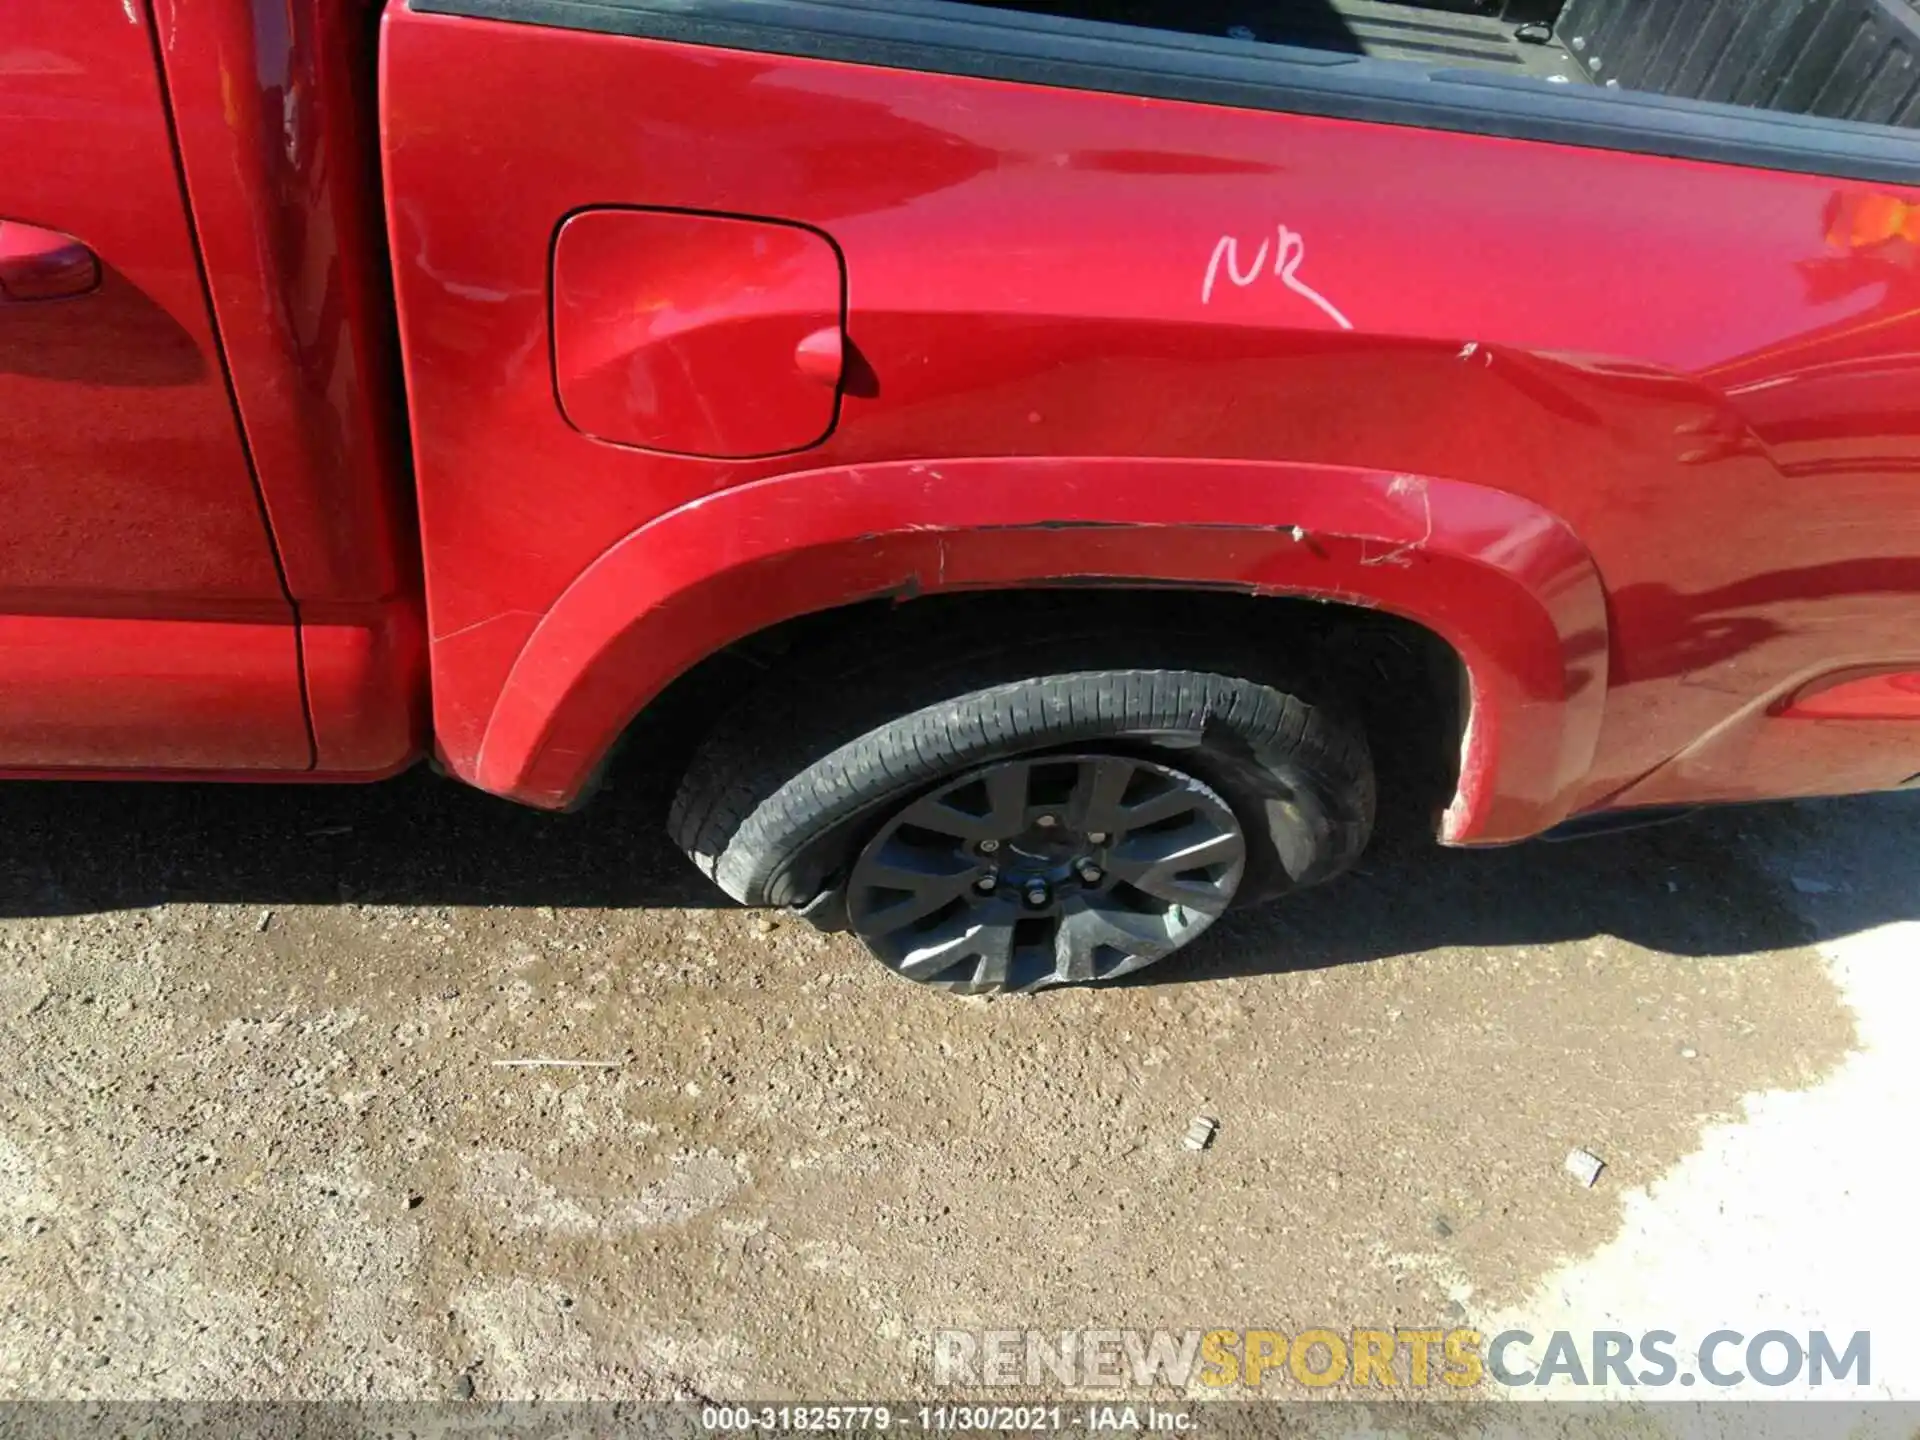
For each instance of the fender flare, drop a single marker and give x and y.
(1500, 579)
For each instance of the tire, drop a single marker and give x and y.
(788, 798)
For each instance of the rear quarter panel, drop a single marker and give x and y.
(1704, 372)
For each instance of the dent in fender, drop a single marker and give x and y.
(1503, 581)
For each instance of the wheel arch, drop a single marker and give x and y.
(1502, 583)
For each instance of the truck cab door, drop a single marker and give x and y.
(143, 622)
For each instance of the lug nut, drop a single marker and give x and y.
(1098, 837)
(1047, 822)
(1037, 895)
(1092, 874)
(987, 847)
(986, 884)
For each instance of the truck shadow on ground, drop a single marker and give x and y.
(1694, 887)
(1690, 888)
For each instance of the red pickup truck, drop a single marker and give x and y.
(1054, 450)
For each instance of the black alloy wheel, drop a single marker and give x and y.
(1046, 870)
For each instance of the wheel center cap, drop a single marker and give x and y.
(1048, 847)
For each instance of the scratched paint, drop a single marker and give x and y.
(1398, 555)
(1288, 249)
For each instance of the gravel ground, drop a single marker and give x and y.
(256, 1141)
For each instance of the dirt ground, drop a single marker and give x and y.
(256, 1139)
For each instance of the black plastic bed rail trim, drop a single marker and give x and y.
(960, 39)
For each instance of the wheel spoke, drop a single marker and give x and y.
(1207, 896)
(1204, 896)
(1073, 955)
(1175, 800)
(934, 813)
(1007, 798)
(923, 896)
(940, 950)
(1176, 851)
(1095, 922)
(950, 888)
(903, 867)
(1006, 788)
(994, 941)
(1159, 864)
(1097, 791)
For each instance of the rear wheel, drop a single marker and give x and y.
(1010, 821)
(1046, 871)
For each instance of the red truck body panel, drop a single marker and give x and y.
(1638, 437)
(234, 366)
(1684, 365)
(1509, 586)
(273, 114)
(142, 617)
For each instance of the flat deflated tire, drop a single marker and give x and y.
(1016, 818)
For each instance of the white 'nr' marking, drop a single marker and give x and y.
(1287, 256)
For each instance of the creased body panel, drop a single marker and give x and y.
(1697, 370)
(1525, 611)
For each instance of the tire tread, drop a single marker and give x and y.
(856, 729)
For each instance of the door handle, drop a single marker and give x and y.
(37, 264)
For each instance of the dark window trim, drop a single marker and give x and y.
(960, 39)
